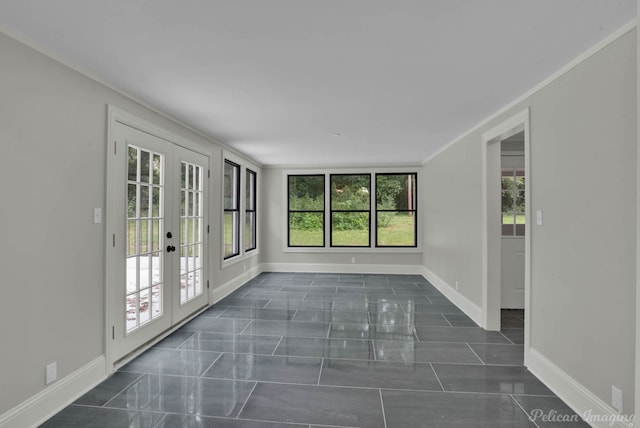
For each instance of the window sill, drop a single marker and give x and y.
(240, 258)
(364, 250)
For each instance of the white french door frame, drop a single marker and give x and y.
(116, 117)
(491, 232)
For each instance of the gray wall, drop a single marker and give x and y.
(53, 124)
(583, 176)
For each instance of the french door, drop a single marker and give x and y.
(160, 215)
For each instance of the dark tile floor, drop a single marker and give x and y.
(325, 350)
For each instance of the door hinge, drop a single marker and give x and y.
(208, 229)
(114, 240)
(113, 332)
(115, 147)
(207, 284)
(209, 173)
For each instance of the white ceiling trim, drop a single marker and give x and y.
(630, 26)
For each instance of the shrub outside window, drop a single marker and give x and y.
(350, 210)
(306, 210)
(231, 209)
(396, 210)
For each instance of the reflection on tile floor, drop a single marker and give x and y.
(333, 350)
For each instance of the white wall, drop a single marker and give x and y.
(583, 175)
(53, 124)
(275, 210)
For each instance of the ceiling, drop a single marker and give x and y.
(515, 143)
(320, 82)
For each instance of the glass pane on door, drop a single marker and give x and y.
(191, 231)
(145, 225)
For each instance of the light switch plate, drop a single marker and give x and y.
(97, 215)
(51, 373)
(539, 217)
(616, 398)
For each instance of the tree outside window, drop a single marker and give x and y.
(396, 210)
(350, 210)
(513, 205)
(306, 210)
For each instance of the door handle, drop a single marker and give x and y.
(170, 248)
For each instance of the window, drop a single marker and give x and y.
(250, 211)
(352, 218)
(396, 210)
(513, 193)
(350, 210)
(306, 210)
(231, 209)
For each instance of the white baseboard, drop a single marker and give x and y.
(229, 287)
(582, 401)
(37, 409)
(472, 310)
(342, 268)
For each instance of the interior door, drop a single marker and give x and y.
(159, 269)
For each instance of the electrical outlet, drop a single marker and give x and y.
(457, 285)
(51, 373)
(353, 259)
(616, 398)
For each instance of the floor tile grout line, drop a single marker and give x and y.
(384, 415)
(159, 423)
(354, 338)
(226, 418)
(245, 327)
(446, 319)
(475, 353)
(308, 357)
(277, 345)
(125, 388)
(346, 387)
(437, 377)
(211, 365)
(320, 372)
(255, 385)
(517, 403)
(510, 341)
(177, 347)
(414, 331)
(467, 392)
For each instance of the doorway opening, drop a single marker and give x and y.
(506, 228)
